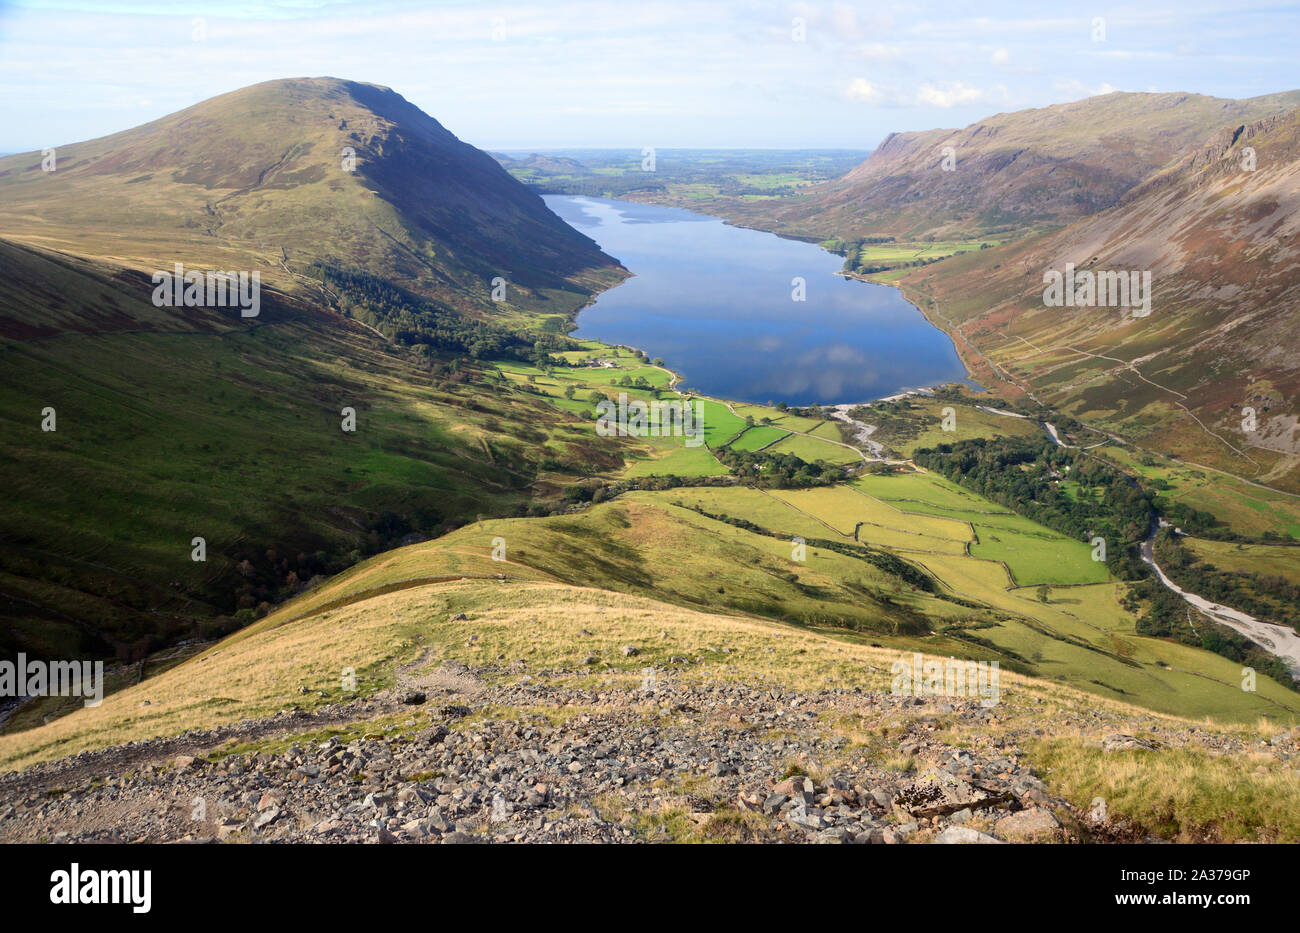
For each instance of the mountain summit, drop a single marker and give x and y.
(334, 418)
(292, 172)
(1029, 169)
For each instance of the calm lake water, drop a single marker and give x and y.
(714, 301)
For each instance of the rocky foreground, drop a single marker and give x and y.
(529, 762)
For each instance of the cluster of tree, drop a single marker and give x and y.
(778, 471)
(956, 391)
(897, 422)
(267, 577)
(638, 382)
(853, 247)
(413, 320)
(1191, 520)
(1025, 475)
(810, 411)
(855, 263)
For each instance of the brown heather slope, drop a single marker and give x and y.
(256, 176)
(1220, 243)
(1031, 169)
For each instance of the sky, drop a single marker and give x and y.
(632, 73)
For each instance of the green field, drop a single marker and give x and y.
(778, 418)
(876, 258)
(1081, 634)
(720, 425)
(1036, 554)
(679, 460)
(758, 437)
(813, 449)
(829, 430)
(927, 492)
(1253, 559)
(843, 508)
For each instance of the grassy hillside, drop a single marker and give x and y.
(202, 424)
(236, 435)
(1012, 172)
(281, 175)
(195, 422)
(532, 639)
(1058, 625)
(1217, 241)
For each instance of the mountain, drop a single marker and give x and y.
(542, 163)
(1013, 172)
(1220, 243)
(259, 179)
(655, 721)
(139, 428)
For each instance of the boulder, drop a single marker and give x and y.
(1032, 825)
(964, 835)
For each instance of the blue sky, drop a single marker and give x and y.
(631, 73)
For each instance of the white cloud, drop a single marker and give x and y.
(947, 95)
(1000, 57)
(864, 92)
(950, 95)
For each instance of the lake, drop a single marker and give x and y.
(715, 303)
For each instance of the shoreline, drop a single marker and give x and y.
(678, 378)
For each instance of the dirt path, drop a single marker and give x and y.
(118, 759)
